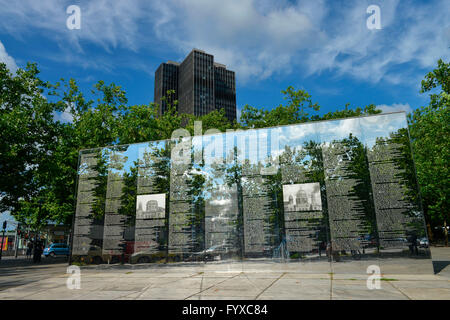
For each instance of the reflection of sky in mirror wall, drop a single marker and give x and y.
(132, 156)
(213, 148)
(296, 135)
(197, 143)
(149, 147)
(338, 130)
(382, 126)
(135, 152)
(117, 159)
(256, 144)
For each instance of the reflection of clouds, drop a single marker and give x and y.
(199, 172)
(297, 134)
(366, 129)
(339, 129)
(253, 144)
(223, 203)
(220, 202)
(382, 126)
(197, 143)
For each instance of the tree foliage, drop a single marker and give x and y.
(430, 135)
(29, 139)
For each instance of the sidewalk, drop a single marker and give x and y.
(191, 284)
(231, 281)
(11, 261)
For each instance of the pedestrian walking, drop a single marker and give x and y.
(413, 244)
(29, 249)
(37, 251)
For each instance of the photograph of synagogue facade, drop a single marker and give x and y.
(318, 194)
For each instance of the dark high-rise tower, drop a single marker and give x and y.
(225, 90)
(201, 85)
(166, 78)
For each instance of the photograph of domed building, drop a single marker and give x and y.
(302, 197)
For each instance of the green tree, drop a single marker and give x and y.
(430, 133)
(348, 113)
(295, 111)
(29, 137)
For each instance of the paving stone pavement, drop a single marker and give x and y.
(254, 281)
(161, 284)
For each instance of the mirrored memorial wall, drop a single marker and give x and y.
(326, 192)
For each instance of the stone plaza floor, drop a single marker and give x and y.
(256, 280)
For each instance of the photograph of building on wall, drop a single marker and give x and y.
(151, 206)
(302, 197)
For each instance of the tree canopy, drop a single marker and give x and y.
(430, 136)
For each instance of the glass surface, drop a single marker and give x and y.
(328, 196)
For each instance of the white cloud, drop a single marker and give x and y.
(257, 39)
(7, 59)
(395, 107)
(411, 35)
(64, 116)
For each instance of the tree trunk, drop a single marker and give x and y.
(430, 233)
(446, 233)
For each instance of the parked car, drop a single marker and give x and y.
(56, 249)
(423, 243)
(94, 255)
(91, 254)
(221, 251)
(147, 256)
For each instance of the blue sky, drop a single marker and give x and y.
(323, 47)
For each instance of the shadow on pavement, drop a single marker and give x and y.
(24, 262)
(438, 266)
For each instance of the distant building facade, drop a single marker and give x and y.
(201, 85)
(166, 78)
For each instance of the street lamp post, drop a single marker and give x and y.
(3, 239)
(16, 242)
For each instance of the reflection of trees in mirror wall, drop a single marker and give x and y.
(129, 193)
(350, 210)
(359, 169)
(161, 168)
(161, 182)
(314, 172)
(183, 219)
(197, 183)
(101, 181)
(405, 174)
(233, 177)
(259, 189)
(275, 232)
(116, 232)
